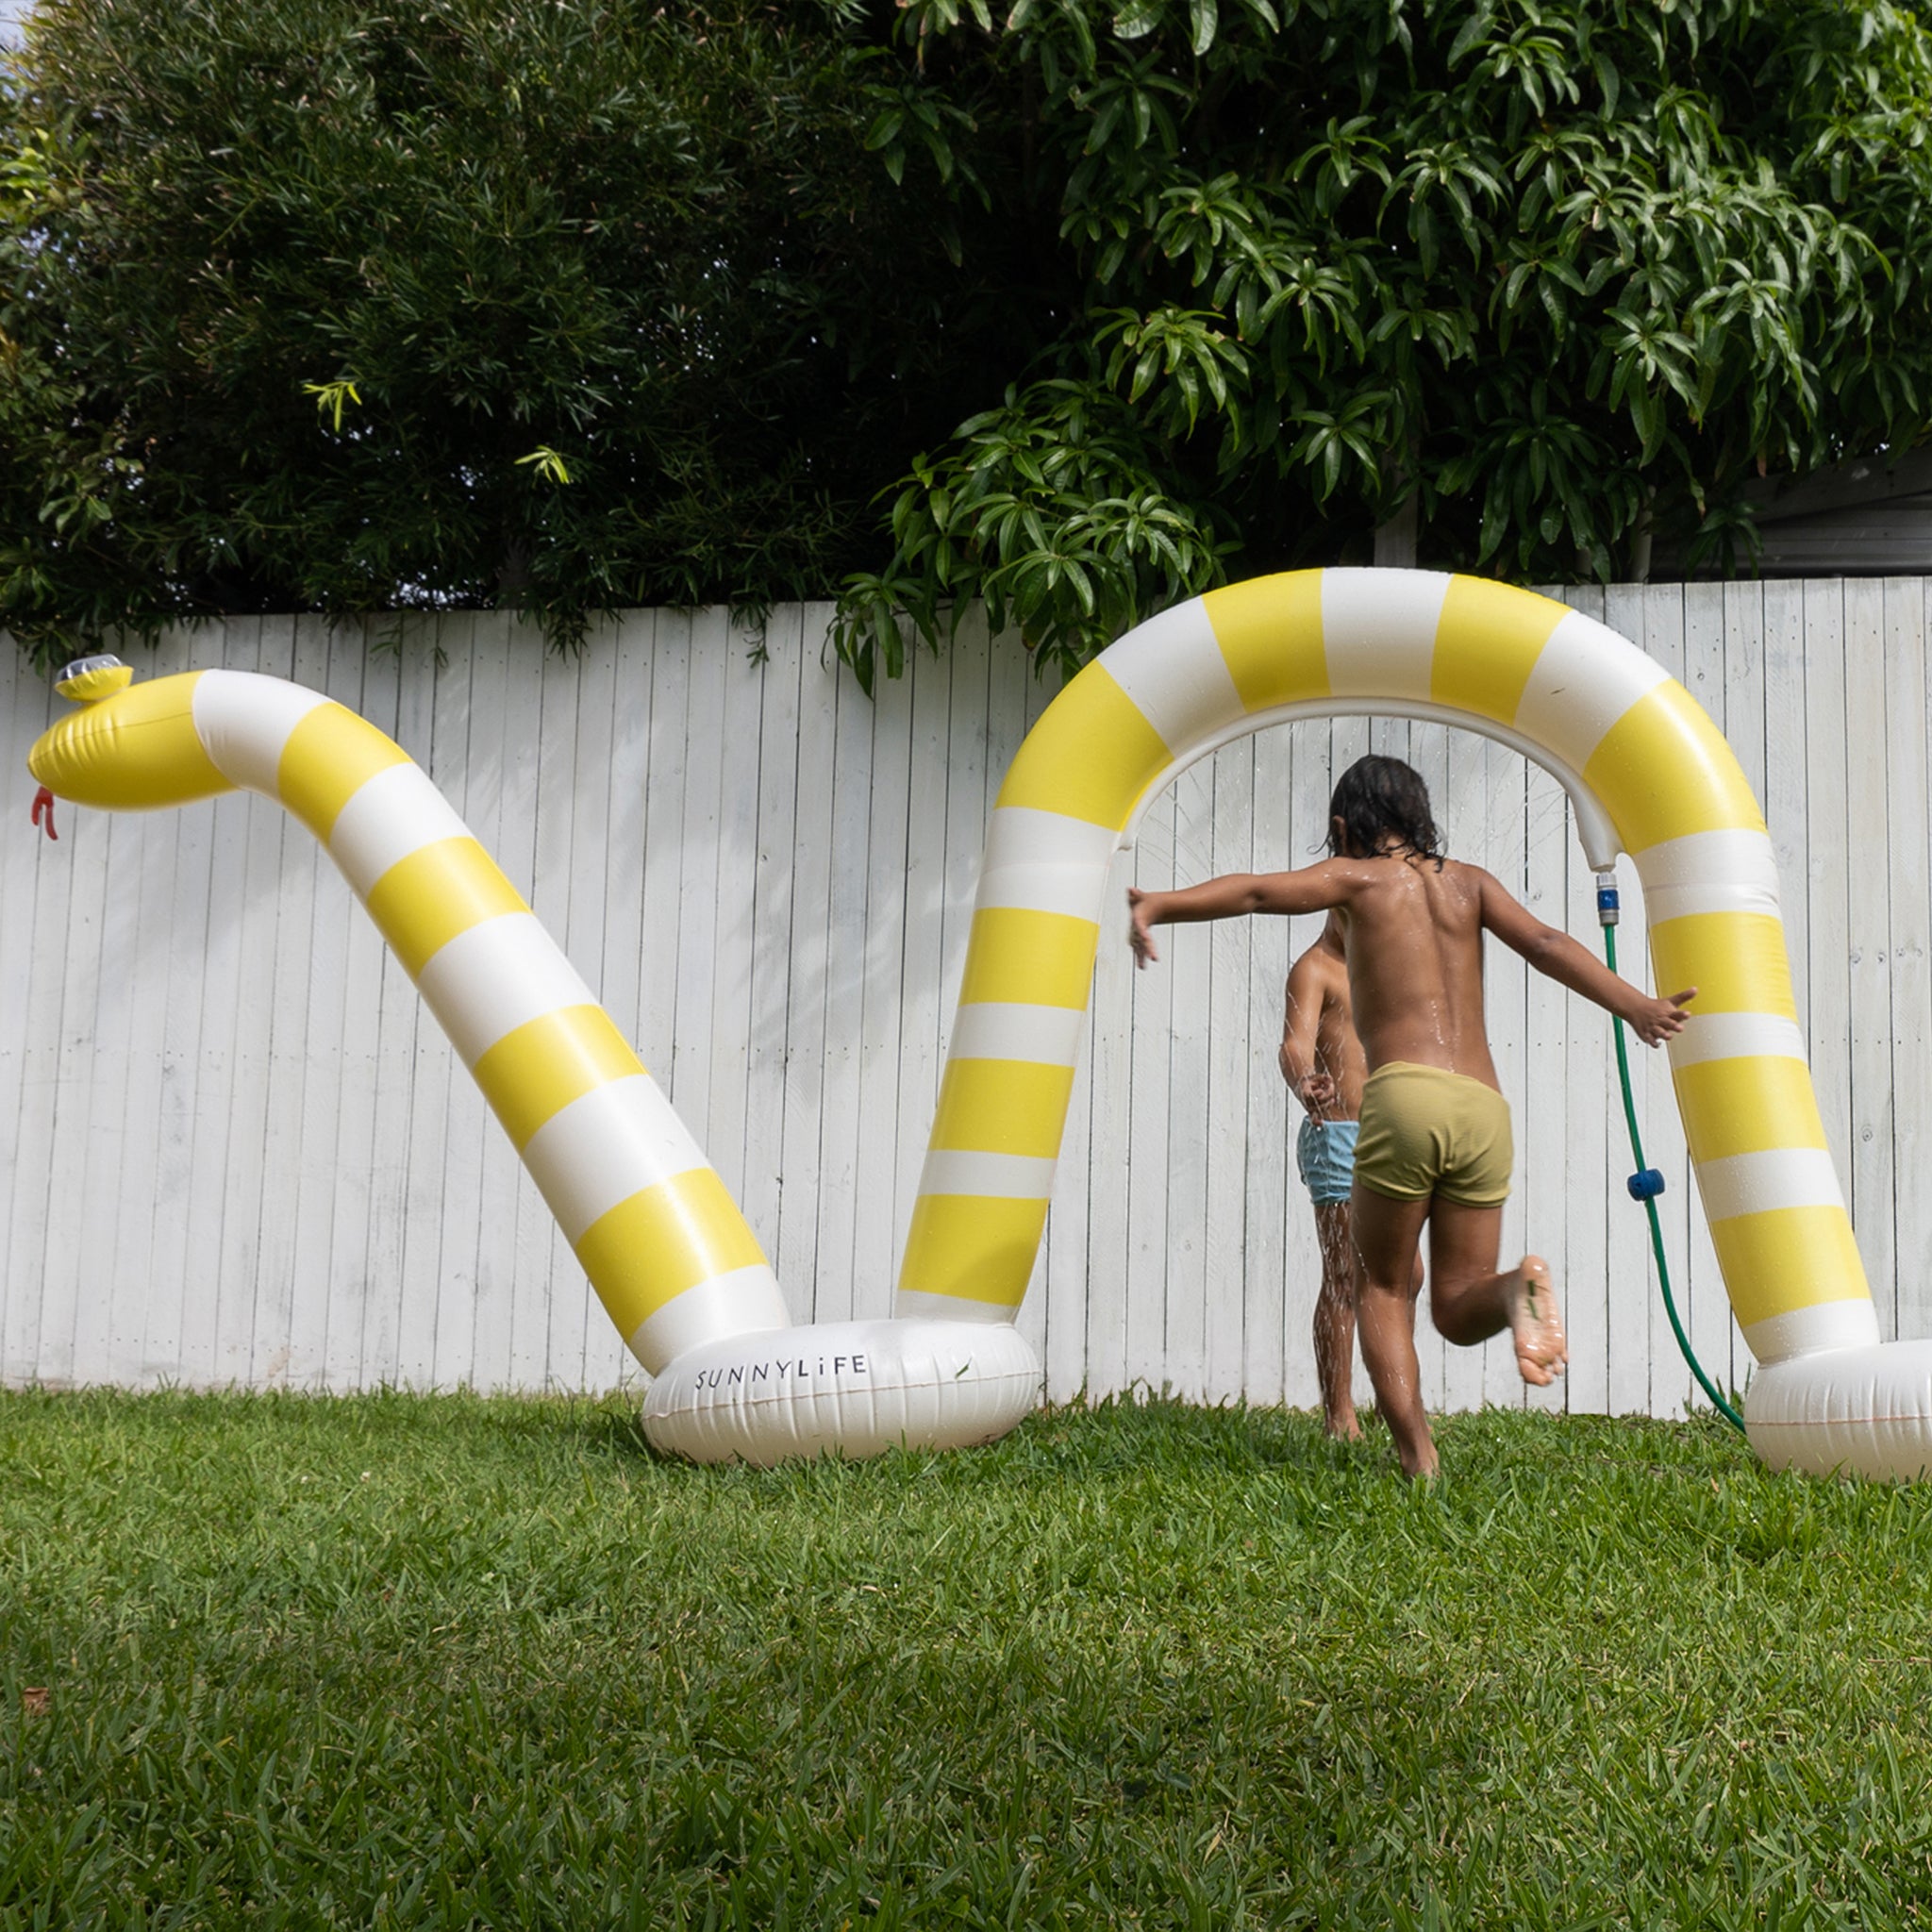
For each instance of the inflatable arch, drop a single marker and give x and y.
(668, 1252)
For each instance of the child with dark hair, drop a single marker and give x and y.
(1435, 1145)
(1379, 798)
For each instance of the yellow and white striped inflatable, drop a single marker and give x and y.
(672, 1259)
(1647, 773)
(664, 1245)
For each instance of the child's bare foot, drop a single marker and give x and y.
(1538, 1328)
(1342, 1429)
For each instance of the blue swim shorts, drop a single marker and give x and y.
(1325, 1152)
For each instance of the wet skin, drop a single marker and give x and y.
(1321, 1060)
(1412, 930)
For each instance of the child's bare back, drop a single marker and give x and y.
(1413, 930)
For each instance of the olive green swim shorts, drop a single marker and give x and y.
(1428, 1132)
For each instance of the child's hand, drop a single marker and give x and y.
(1139, 932)
(1656, 1021)
(1316, 1091)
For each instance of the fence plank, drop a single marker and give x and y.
(768, 1047)
(838, 1295)
(882, 952)
(1868, 860)
(1911, 983)
(1829, 850)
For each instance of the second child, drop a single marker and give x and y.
(1323, 1062)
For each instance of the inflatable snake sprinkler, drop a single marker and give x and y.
(681, 1274)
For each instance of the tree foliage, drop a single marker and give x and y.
(353, 305)
(1558, 271)
(349, 306)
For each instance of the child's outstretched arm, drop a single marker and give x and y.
(1300, 1023)
(1235, 895)
(1558, 956)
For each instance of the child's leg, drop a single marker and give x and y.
(1385, 1232)
(1335, 1321)
(1469, 1301)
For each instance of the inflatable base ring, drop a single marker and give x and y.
(1851, 1411)
(845, 1387)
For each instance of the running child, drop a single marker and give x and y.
(1435, 1144)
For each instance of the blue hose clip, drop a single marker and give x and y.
(1645, 1185)
(1607, 898)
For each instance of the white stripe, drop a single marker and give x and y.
(996, 1176)
(606, 1145)
(1778, 1177)
(1024, 835)
(396, 812)
(1825, 1325)
(744, 1302)
(1735, 1036)
(1173, 669)
(1043, 861)
(1075, 892)
(1378, 630)
(1584, 680)
(244, 722)
(1684, 902)
(1708, 872)
(494, 977)
(996, 1030)
(917, 1305)
(1732, 856)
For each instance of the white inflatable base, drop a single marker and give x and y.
(1848, 1411)
(852, 1388)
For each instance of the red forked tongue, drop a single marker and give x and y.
(43, 801)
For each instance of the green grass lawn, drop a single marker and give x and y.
(409, 1661)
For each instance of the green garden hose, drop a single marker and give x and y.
(1646, 1184)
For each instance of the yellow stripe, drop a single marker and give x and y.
(1090, 756)
(546, 1063)
(1269, 633)
(1663, 769)
(1747, 1106)
(1487, 644)
(973, 1246)
(1016, 957)
(1003, 1106)
(661, 1241)
(135, 751)
(329, 756)
(1786, 1258)
(424, 901)
(1736, 960)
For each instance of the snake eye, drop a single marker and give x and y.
(101, 660)
(88, 680)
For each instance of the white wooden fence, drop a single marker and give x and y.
(234, 1149)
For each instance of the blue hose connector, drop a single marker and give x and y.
(1645, 1185)
(1606, 903)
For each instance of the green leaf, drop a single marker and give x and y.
(1475, 27)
